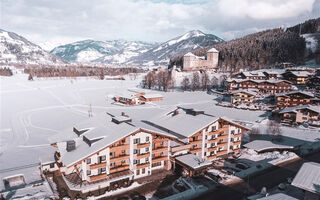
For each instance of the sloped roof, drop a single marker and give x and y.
(212, 50)
(295, 108)
(308, 177)
(251, 92)
(253, 73)
(295, 92)
(190, 54)
(147, 96)
(192, 161)
(264, 145)
(272, 81)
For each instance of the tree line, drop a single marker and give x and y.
(5, 71)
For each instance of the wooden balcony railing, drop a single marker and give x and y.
(144, 145)
(145, 165)
(222, 144)
(98, 165)
(212, 140)
(212, 148)
(119, 147)
(211, 157)
(180, 148)
(213, 132)
(195, 150)
(145, 155)
(160, 149)
(223, 136)
(97, 177)
(119, 168)
(236, 142)
(222, 152)
(195, 142)
(119, 158)
(160, 158)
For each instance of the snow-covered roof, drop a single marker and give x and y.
(252, 92)
(295, 92)
(183, 124)
(253, 73)
(265, 145)
(193, 161)
(272, 81)
(212, 50)
(301, 73)
(278, 196)
(308, 177)
(149, 96)
(295, 108)
(190, 54)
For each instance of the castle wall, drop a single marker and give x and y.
(192, 63)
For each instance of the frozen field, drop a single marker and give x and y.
(33, 111)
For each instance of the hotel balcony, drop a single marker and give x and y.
(195, 150)
(222, 152)
(213, 132)
(222, 144)
(120, 147)
(212, 148)
(212, 140)
(156, 140)
(98, 177)
(140, 156)
(223, 136)
(143, 145)
(97, 165)
(119, 158)
(144, 165)
(160, 149)
(211, 157)
(119, 168)
(160, 158)
(195, 142)
(180, 148)
(236, 142)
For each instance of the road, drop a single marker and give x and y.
(269, 179)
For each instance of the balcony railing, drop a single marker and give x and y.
(180, 148)
(212, 148)
(144, 145)
(159, 149)
(145, 155)
(236, 142)
(119, 147)
(222, 152)
(223, 136)
(211, 157)
(120, 157)
(98, 177)
(195, 142)
(144, 165)
(98, 165)
(119, 168)
(195, 150)
(160, 158)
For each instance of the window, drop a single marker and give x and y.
(138, 172)
(123, 161)
(123, 141)
(147, 139)
(143, 170)
(135, 151)
(147, 159)
(136, 141)
(134, 161)
(161, 143)
(147, 149)
(112, 154)
(153, 155)
(206, 137)
(101, 159)
(232, 132)
(88, 160)
(123, 151)
(88, 172)
(153, 146)
(205, 145)
(112, 165)
(51, 165)
(101, 170)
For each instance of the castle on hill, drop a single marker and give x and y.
(192, 62)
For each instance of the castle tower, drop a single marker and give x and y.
(189, 62)
(212, 58)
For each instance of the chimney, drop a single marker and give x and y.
(175, 112)
(71, 145)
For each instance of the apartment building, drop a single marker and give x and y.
(243, 96)
(112, 151)
(270, 87)
(293, 98)
(297, 77)
(252, 75)
(299, 114)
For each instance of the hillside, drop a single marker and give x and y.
(15, 49)
(161, 54)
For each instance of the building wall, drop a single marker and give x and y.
(192, 63)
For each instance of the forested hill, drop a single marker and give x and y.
(309, 26)
(256, 50)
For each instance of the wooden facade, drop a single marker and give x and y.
(293, 99)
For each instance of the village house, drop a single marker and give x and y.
(297, 77)
(308, 179)
(192, 62)
(243, 96)
(299, 114)
(270, 87)
(252, 75)
(151, 97)
(112, 151)
(293, 98)
(272, 74)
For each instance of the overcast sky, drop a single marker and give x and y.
(63, 21)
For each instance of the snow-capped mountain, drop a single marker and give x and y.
(15, 49)
(110, 52)
(161, 54)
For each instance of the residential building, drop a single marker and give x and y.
(243, 96)
(252, 75)
(270, 87)
(293, 98)
(151, 97)
(297, 77)
(308, 179)
(270, 74)
(192, 62)
(299, 114)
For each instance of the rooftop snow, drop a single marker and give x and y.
(278, 196)
(148, 96)
(256, 73)
(294, 109)
(213, 50)
(190, 54)
(308, 177)
(193, 161)
(295, 92)
(264, 145)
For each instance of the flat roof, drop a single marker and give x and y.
(308, 177)
(193, 161)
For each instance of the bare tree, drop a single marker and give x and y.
(149, 80)
(30, 77)
(205, 81)
(185, 83)
(273, 129)
(214, 81)
(254, 133)
(195, 82)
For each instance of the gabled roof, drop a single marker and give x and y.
(299, 73)
(148, 96)
(193, 161)
(295, 92)
(253, 73)
(296, 108)
(308, 177)
(189, 54)
(251, 92)
(272, 81)
(212, 50)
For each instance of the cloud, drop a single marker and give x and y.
(157, 20)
